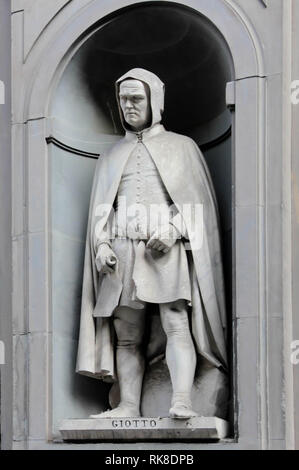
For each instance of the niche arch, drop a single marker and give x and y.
(191, 57)
(45, 71)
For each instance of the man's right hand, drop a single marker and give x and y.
(105, 259)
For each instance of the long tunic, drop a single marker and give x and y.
(141, 206)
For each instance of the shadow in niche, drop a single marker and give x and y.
(184, 49)
(190, 55)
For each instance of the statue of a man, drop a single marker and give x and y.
(153, 238)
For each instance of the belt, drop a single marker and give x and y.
(135, 233)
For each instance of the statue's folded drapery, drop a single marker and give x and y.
(186, 178)
(173, 155)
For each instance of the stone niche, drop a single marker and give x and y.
(190, 55)
(221, 61)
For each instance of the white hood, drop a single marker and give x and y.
(156, 89)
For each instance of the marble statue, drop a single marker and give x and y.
(152, 242)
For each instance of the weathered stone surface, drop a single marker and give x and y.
(144, 429)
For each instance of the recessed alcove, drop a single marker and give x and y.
(192, 58)
(48, 201)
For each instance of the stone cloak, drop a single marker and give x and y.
(174, 155)
(186, 177)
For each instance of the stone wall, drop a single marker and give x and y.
(5, 231)
(45, 36)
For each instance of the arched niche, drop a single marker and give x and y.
(46, 69)
(192, 58)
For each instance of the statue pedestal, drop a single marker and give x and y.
(141, 429)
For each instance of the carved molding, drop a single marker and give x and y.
(37, 16)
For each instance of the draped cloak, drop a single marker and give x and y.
(185, 175)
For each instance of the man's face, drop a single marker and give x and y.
(134, 102)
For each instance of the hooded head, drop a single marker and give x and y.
(155, 93)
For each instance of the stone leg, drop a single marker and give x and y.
(129, 327)
(180, 357)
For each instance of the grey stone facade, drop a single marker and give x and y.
(47, 40)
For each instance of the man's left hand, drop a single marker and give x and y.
(163, 238)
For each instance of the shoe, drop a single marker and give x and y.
(181, 411)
